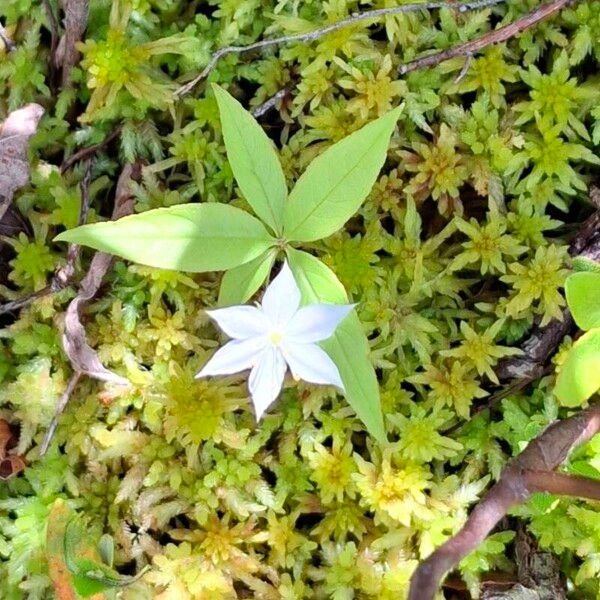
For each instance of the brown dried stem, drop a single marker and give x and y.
(75, 23)
(89, 150)
(529, 472)
(60, 407)
(497, 36)
(82, 356)
(543, 341)
(321, 31)
(20, 303)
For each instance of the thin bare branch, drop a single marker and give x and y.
(15, 305)
(310, 36)
(60, 407)
(75, 23)
(82, 356)
(488, 39)
(64, 275)
(563, 484)
(270, 103)
(89, 151)
(529, 472)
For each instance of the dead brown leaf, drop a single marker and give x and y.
(83, 357)
(15, 132)
(6, 438)
(10, 464)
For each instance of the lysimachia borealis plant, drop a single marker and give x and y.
(202, 237)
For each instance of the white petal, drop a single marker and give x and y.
(240, 322)
(266, 379)
(233, 357)
(281, 298)
(311, 363)
(316, 322)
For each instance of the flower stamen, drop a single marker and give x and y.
(275, 338)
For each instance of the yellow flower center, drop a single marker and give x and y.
(276, 337)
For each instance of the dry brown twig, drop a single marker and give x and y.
(89, 151)
(75, 23)
(310, 36)
(83, 358)
(496, 36)
(534, 470)
(58, 281)
(60, 407)
(467, 49)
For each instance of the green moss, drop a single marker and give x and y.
(459, 249)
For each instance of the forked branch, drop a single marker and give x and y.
(531, 471)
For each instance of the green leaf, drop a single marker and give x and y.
(348, 347)
(185, 237)
(106, 549)
(336, 183)
(86, 587)
(240, 283)
(59, 564)
(579, 375)
(316, 280)
(89, 576)
(253, 160)
(583, 296)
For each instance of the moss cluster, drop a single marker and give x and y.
(460, 249)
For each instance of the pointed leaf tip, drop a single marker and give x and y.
(186, 237)
(337, 182)
(253, 159)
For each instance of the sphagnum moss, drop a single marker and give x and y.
(458, 250)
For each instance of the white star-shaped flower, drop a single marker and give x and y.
(278, 333)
